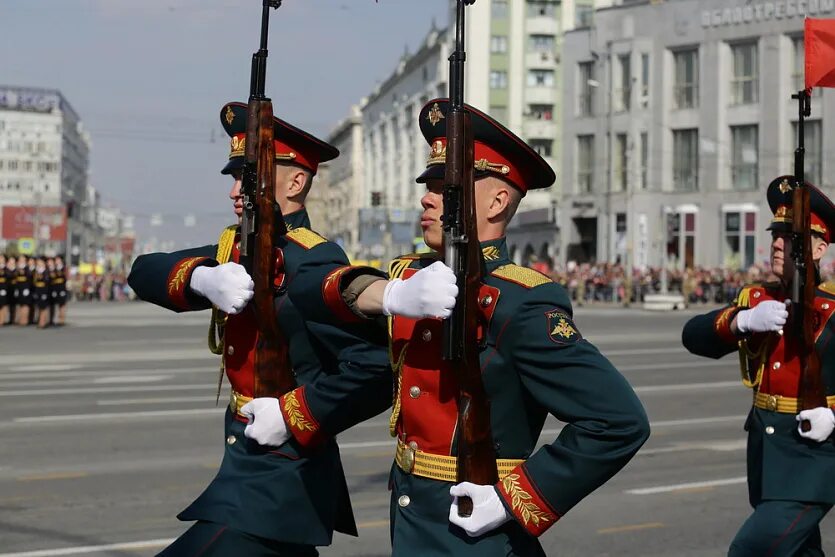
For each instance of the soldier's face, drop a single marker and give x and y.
(433, 208)
(235, 193)
(781, 249)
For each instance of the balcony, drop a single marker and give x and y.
(541, 95)
(539, 129)
(541, 59)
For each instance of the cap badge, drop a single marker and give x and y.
(229, 115)
(785, 186)
(435, 114)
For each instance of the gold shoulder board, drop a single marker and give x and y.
(305, 237)
(521, 275)
(828, 287)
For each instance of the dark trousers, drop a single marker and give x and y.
(206, 539)
(781, 529)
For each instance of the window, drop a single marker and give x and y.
(644, 100)
(541, 43)
(498, 8)
(586, 86)
(498, 44)
(744, 153)
(620, 163)
(681, 240)
(541, 8)
(498, 79)
(745, 81)
(686, 88)
(812, 144)
(799, 68)
(624, 83)
(685, 160)
(542, 146)
(583, 16)
(13, 166)
(541, 111)
(644, 161)
(739, 247)
(585, 163)
(540, 78)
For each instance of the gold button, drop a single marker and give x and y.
(414, 392)
(233, 402)
(426, 335)
(487, 300)
(403, 500)
(756, 294)
(230, 440)
(230, 350)
(769, 430)
(413, 445)
(776, 365)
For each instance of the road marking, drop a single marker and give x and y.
(122, 415)
(47, 367)
(100, 390)
(54, 476)
(114, 379)
(370, 524)
(104, 372)
(676, 365)
(717, 446)
(641, 352)
(688, 387)
(631, 528)
(681, 487)
(160, 400)
(698, 421)
(128, 546)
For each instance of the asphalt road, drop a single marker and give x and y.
(110, 428)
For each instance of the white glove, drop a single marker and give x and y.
(227, 286)
(266, 424)
(430, 292)
(765, 317)
(822, 420)
(488, 511)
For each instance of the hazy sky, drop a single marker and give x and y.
(148, 78)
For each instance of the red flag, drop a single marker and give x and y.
(819, 42)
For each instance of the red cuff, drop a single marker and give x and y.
(722, 324)
(332, 296)
(523, 499)
(179, 278)
(298, 418)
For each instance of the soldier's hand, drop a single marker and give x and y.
(227, 286)
(488, 511)
(430, 292)
(266, 424)
(822, 420)
(768, 316)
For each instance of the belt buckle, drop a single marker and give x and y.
(408, 460)
(771, 402)
(233, 402)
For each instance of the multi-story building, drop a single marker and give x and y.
(44, 157)
(514, 73)
(676, 115)
(345, 192)
(394, 152)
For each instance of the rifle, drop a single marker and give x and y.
(262, 226)
(462, 252)
(810, 390)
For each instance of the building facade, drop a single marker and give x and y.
(44, 160)
(514, 72)
(676, 116)
(394, 152)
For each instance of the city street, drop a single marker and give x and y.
(110, 429)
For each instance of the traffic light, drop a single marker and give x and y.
(375, 199)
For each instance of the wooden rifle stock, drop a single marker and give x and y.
(804, 285)
(262, 227)
(476, 453)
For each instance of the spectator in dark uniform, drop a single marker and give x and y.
(60, 289)
(23, 284)
(5, 291)
(40, 292)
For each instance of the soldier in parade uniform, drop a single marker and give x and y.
(790, 471)
(272, 494)
(41, 292)
(534, 361)
(23, 286)
(11, 277)
(5, 291)
(59, 290)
